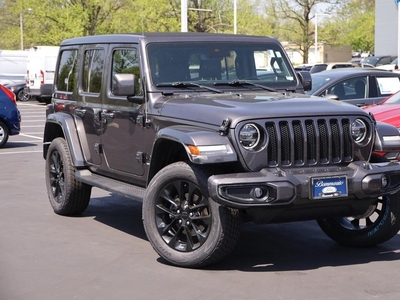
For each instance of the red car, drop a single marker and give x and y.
(387, 111)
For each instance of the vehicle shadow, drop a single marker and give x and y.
(13, 145)
(297, 246)
(118, 212)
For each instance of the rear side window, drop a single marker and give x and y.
(387, 85)
(66, 76)
(93, 70)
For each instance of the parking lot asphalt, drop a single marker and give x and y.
(104, 253)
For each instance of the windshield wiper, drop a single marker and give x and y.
(179, 84)
(244, 82)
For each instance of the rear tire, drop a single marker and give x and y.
(67, 195)
(4, 134)
(184, 226)
(22, 96)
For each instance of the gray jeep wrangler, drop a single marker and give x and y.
(208, 131)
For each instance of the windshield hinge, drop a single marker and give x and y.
(224, 128)
(143, 121)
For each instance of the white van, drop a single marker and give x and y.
(13, 63)
(40, 72)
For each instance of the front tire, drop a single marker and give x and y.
(184, 226)
(377, 225)
(4, 134)
(67, 195)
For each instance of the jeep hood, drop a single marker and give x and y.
(213, 108)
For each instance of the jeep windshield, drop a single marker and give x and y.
(254, 65)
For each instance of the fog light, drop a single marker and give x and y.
(259, 193)
(384, 181)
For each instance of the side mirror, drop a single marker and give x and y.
(123, 84)
(305, 80)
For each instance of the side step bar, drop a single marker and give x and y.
(111, 185)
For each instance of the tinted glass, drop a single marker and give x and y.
(319, 80)
(207, 63)
(318, 68)
(126, 61)
(93, 71)
(352, 88)
(66, 76)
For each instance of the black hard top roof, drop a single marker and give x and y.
(128, 38)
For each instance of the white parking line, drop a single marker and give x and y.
(30, 136)
(22, 141)
(30, 104)
(39, 132)
(26, 121)
(33, 116)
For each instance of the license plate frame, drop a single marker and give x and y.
(329, 187)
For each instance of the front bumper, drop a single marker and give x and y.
(273, 187)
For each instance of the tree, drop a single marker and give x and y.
(354, 25)
(293, 19)
(50, 21)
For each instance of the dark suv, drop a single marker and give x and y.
(209, 130)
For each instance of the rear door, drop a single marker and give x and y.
(88, 108)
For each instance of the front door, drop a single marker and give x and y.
(123, 136)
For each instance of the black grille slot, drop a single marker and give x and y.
(298, 143)
(323, 142)
(285, 143)
(348, 146)
(272, 145)
(309, 142)
(335, 141)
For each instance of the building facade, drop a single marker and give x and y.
(386, 27)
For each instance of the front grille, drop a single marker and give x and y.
(309, 142)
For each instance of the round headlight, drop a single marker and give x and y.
(358, 130)
(249, 136)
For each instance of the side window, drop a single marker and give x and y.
(92, 71)
(387, 85)
(126, 61)
(66, 73)
(352, 88)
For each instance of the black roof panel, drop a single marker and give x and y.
(164, 37)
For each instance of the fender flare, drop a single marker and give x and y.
(387, 138)
(200, 137)
(66, 123)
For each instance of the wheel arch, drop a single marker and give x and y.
(4, 121)
(63, 125)
(171, 145)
